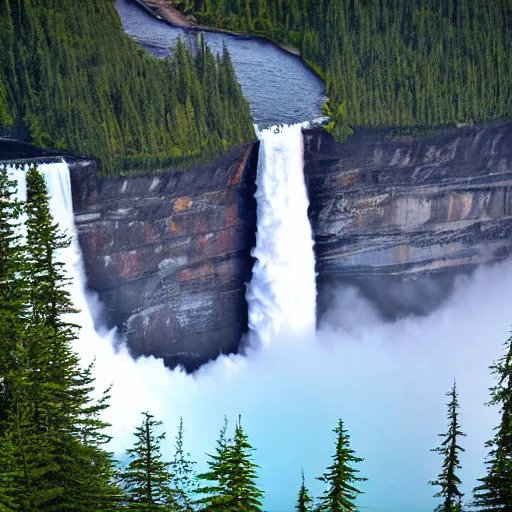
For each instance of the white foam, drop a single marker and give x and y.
(282, 294)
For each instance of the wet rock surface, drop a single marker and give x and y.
(169, 255)
(401, 216)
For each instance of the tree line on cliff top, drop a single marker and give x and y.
(389, 62)
(71, 79)
(53, 443)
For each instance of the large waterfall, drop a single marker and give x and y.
(282, 294)
(367, 371)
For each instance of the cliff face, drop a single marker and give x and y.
(169, 255)
(399, 217)
(391, 210)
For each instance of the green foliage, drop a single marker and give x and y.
(495, 490)
(70, 78)
(392, 62)
(183, 481)
(304, 501)
(338, 121)
(51, 436)
(147, 477)
(215, 488)
(340, 477)
(233, 475)
(449, 449)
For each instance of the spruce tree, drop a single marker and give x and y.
(12, 310)
(340, 477)
(146, 478)
(304, 502)
(235, 475)
(79, 471)
(495, 490)
(243, 493)
(215, 490)
(449, 449)
(12, 290)
(51, 467)
(183, 481)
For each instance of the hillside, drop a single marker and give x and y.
(71, 79)
(390, 62)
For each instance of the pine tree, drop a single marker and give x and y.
(304, 502)
(340, 477)
(495, 490)
(449, 449)
(215, 490)
(12, 290)
(183, 482)
(11, 332)
(51, 467)
(146, 478)
(243, 494)
(235, 474)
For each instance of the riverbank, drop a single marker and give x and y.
(162, 10)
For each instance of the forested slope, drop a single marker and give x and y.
(71, 79)
(390, 62)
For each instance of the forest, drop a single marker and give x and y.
(71, 79)
(53, 443)
(422, 63)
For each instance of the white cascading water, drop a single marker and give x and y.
(282, 293)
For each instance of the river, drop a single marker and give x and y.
(279, 87)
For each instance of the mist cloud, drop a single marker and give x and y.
(386, 380)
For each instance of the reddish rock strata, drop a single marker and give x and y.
(169, 255)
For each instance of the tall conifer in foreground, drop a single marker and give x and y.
(12, 313)
(340, 477)
(64, 414)
(147, 477)
(449, 449)
(52, 465)
(495, 490)
(183, 481)
(12, 290)
(304, 502)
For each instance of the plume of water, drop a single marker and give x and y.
(282, 293)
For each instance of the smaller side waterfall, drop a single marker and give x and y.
(282, 292)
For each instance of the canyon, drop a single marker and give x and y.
(400, 217)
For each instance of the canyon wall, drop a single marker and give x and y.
(389, 210)
(400, 217)
(169, 254)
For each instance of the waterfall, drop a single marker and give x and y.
(282, 294)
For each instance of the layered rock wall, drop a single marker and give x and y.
(169, 255)
(388, 208)
(400, 217)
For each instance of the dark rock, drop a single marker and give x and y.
(400, 216)
(169, 254)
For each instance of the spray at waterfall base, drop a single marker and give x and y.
(387, 381)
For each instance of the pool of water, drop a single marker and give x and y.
(279, 87)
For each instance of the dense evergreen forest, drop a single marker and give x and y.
(71, 79)
(389, 62)
(53, 443)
